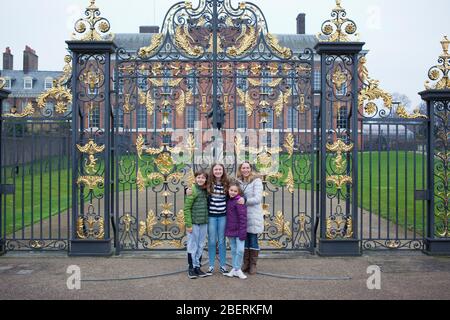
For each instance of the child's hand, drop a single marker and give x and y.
(241, 201)
(189, 192)
(189, 230)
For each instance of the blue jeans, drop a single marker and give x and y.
(196, 242)
(216, 233)
(237, 252)
(252, 241)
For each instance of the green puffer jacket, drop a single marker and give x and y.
(196, 207)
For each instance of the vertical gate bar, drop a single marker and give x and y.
(415, 188)
(388, 162)
(406, 181)
(312, 136)
(361, 196)
(214, 54)
(430, 170)
(50, 185)
(379, 179)
(3, 95)
(370, 181)
(117, 155)
(61, 153)
(13, 172)
(23, 191)
(32, 179)
(323, 170)
(397, 185)
(41, 200)
(355, 132)
(75, 133)
(107, 123)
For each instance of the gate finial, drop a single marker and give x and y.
(440, 73)
(339, 28)
(94, 27)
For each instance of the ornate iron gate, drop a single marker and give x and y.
(213, 86)
(35, 179)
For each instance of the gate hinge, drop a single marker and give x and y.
(421, 195)
(7, 189)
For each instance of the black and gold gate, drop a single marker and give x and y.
(213, 87)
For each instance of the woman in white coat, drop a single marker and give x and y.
(252, 187)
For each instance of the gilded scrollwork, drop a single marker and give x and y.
(26, 112)
(91, 225)
(439, 75)
(155, 44)
(93, 27)
(339, 29)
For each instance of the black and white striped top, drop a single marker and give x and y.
(217, 205)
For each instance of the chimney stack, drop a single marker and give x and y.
(148, 29)
(8, 60)
(30, 60)
(301, 23)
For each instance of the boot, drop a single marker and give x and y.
(253, 260)
(246, 265)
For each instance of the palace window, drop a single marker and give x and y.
(141, 120)
(28, 83)
(48, 83)
(190, 117)
(241, 117)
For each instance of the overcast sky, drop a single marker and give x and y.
(403, 35)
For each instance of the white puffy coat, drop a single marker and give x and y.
(253, 193)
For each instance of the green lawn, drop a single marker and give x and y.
(378, 195)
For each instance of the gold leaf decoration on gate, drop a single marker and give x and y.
(339, 29)
(274, 44)
(183, 41)
(339, 77)
(402, 113)
(335, 227)
(340, 181)
(91, 148)
(140, 182)
(289, 144)
(28, 111)
(59, 94)
(440, 74)
(247, 41)
(90, 181)
(371, 91)
(339, 147)
(290, 181)
(155, 43)
(93, 27)
(147, 100)
(2, 83)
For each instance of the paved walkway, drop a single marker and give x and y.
(405, 275)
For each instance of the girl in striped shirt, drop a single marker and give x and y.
(217, 210)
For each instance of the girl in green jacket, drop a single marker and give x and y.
(196, 220)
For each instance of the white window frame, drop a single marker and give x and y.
(7, 83)
(241, 113)
(28, 80)
(48, 80)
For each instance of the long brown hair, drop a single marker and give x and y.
(252, 175)
(212, 179)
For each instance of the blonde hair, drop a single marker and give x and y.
(252, 175)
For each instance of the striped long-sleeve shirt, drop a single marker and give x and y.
(217, 204)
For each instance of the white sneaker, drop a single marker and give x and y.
(240, 274)
(230, 274)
